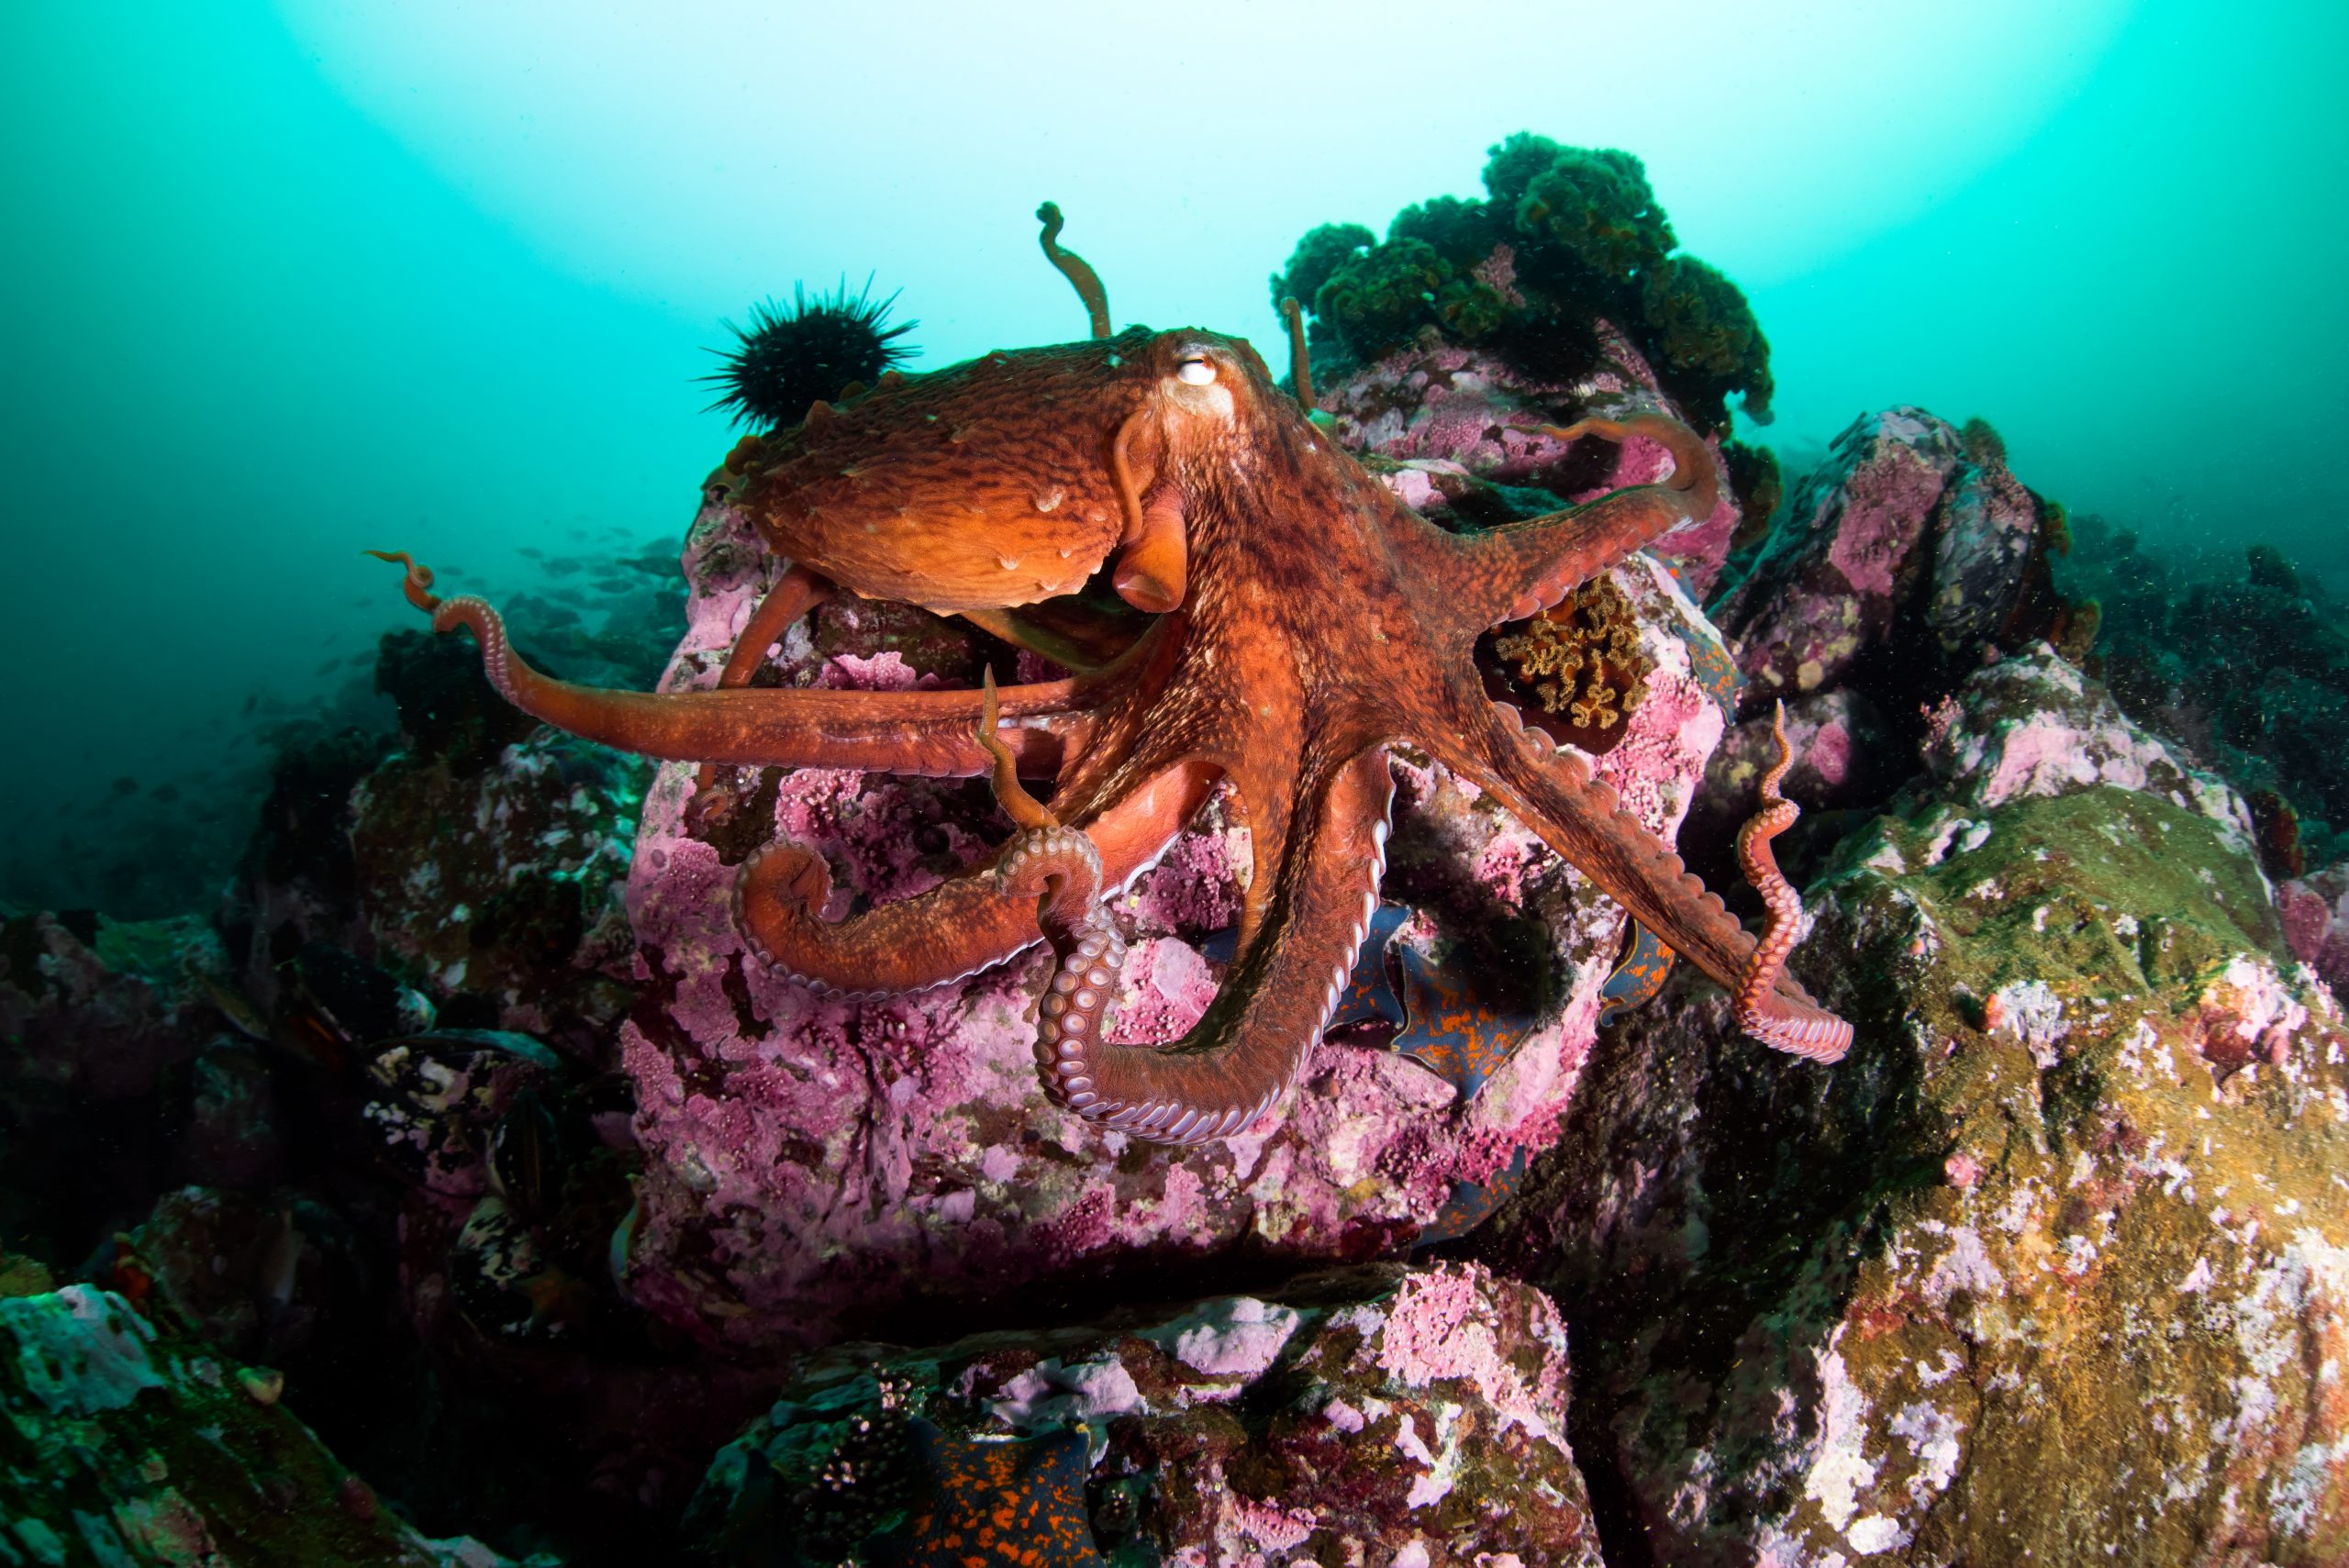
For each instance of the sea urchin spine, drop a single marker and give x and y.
(788, 357)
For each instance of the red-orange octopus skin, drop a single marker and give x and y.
(1306, 621)
(1822, 1037)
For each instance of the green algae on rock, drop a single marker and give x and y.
(1566, 237)
(2050, 1271)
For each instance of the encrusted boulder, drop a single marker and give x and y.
(2315, 911)
(816, 1164)
(101, 1025)
(480, 863)
(1387, 1417)
(98, 1008)
(127, 1446)
(1914, 537)
(2054, 1267)
(2035, 726)
(1456, 433)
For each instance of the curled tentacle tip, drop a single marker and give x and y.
(1785, 750)
(416, 584)
(1300, 356)
(1024, 809)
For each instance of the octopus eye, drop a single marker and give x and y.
(1196, 372)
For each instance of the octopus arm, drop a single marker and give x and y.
(1244, 1055)
(1552, 792)
(1520, 569)
(929, 732)
(956, 928)
(794, 593)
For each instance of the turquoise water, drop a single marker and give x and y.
(285, 283)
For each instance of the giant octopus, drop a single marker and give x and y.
(1240, 603)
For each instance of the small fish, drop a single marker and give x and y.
(531, 554)
(236, 1006)
(164, 794)
(125, 785)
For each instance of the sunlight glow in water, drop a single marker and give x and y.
(290, 281)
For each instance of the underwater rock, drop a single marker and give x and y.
(294, 879)
(99, 1022)
(1845, 758)
(94, 1008)
(1912, 538)
(2315, 912)
(2246, 661)
(249, 1273)
(480, 864)
(1452, 431)
(2035, 726)
(2054, 1267)
(234, 1135)
(1380, 1416)
(816, 1164)
(516, 901)
(127, 1445)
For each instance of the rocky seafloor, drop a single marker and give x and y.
(461, 1191)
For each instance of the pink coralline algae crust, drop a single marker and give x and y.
(1433, 413)
(1885, 501)
(1403, 1416)
(2315, 912)
(1442, 1326)
(2034, 724)
(1842, 758)
(2247, 1012)
(814, 1162)
(1193, 887)
(1827, 586)
(1167, 985)
(884, 672)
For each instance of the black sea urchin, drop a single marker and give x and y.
(790, 356)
